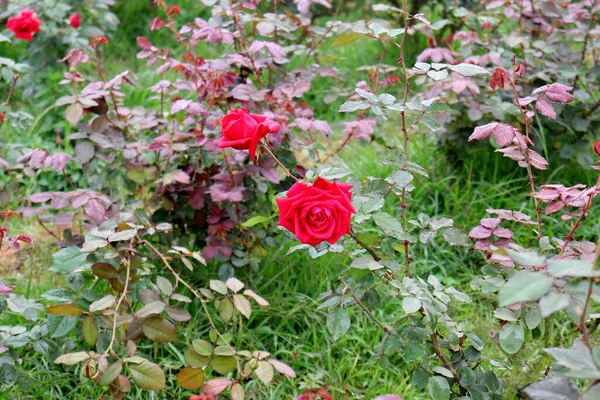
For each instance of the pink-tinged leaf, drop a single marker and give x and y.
(527, 100)
(504, 233)
(388, 397)
(181, 177)
(504, 134)
(559, 93)
(224, 192)
(41, 197)
(282, 368)
(216, 386)
(84, 151)
(555, 206)
(271, 174)
(261, 302)
(537, 160)
(143, 43)
(509, 215)
(545, 108)
(483, 245)
(95, 210)
(484, 131)
(196, 199)
(547, 194)
(480, 232)
(491, 223)
(80, 201)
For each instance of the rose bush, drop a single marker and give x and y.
(163, 192)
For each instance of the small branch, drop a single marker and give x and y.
(440, 354)
(364, 246)
(114, 327)
(12, 89)
(287, 171)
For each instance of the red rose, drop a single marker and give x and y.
(75, 20)
(243, 131)
(597, 147)
(317, 213)
(24, 25)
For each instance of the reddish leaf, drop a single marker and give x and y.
(216, 386)
(545, 108)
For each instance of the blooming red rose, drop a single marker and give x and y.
(243, 131)
(75, 20)
(24, 25)
(317, 213)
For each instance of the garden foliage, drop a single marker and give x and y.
(228, 159)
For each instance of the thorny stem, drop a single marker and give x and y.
(123, 295)
(582, 325)
(178, 280)
(585, 44)
(287, 171)
(440, 354)
(367, 248)
(404, 129)
(11, 90)
(538, 210)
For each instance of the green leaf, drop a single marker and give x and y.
(579, 362)
(338, 323)
(60, 325)
(159, 330)
(438, 388)
(194, 359)
(73, 358)
(68, 260)
(411, 304)
(554, 301)
(103, 303)
(346, 39)
(512, 337)
(148, 375)
(559, 388)
(202, 347)
(191, 378)
(574, 268)
(164, 285)
(225, 308)
(104, 270)
(466, 69)
(65, 309)
(392, 226)
(111, 373)
(259, 219)
(264, 372)
(156, 307)
(89, 331)
(420, 379)
(223, 365)
(241, 303)
(467, 377)
(525, 286)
